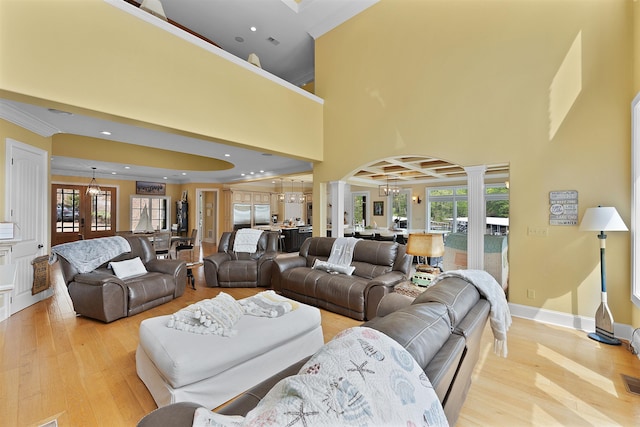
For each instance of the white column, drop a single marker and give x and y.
(337, 208)
(477, 217)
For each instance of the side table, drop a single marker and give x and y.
(190, 277)
(409, 289)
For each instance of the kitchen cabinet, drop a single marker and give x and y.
(294, 237)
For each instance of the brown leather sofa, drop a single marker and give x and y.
(379, 266)
(229, 269)
(101, 295)
(442, 330)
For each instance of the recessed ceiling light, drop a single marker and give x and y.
(227, 155)
(252, 172)
(113, 173)
(253, 29)
(184, 173)
(164, 177)
(261, 171)
(242, 174)
(105, 132)
(127, 167)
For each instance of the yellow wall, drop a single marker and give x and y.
(471, 83)
(77, 56)
(636, 74)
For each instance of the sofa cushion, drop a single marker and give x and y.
(372, 258)
(149, 287)
(302, 280)
(341, 290)
(420, 328)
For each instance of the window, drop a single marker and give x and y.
(67, 209)
(359, 208)
(449, 209)
(400, 210)
(157, 210)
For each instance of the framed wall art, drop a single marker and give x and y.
(151, 188)
(378, 208)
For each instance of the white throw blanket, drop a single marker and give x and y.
(218, 315)
(342, 251)
(246, 240)
(500, 316)
(267, 304)
(360, 378)
(87, 255)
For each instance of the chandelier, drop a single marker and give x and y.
(281, 195)
(93, 188)
(388, 190)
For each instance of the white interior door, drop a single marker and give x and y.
(27, 207)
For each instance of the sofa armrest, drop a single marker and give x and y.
(97, 278)
(392, 302)
(377, 289)
(174, 415)
(265, 266)
(211, 265)
(165, 266)
(283, 264)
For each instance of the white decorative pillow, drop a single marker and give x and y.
(128, 268)
(331, 268)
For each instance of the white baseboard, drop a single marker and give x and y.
(580, 323)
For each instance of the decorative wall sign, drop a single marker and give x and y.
(151, 188)
(563, 207)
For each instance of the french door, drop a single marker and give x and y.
(76, 215)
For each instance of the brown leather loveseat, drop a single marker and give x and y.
(441, 329)
(379, 266)
(230, 269)
(100, 294)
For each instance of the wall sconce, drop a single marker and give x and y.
(416, 199)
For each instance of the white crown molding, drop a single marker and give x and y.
(10, 113)
(571, 321)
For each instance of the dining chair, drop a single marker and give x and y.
(162, 243)
(186, 244)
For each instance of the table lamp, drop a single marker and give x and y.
(425, 245)
(603, 219)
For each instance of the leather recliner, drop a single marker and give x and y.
(229, 269)
(101, 295)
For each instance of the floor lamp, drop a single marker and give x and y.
(603, 219)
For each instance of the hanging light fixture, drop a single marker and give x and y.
(93, 188)
(281, 195)
(301, 197)
(388, 190)
(292, 196)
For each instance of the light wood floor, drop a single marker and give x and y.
(55, 365)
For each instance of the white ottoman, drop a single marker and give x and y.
(178, 366)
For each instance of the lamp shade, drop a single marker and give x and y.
(426, 245)
(602, 218)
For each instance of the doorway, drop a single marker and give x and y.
(76, 215)
(207, 215)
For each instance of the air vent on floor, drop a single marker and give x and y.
(632, 384)
(273, 41)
